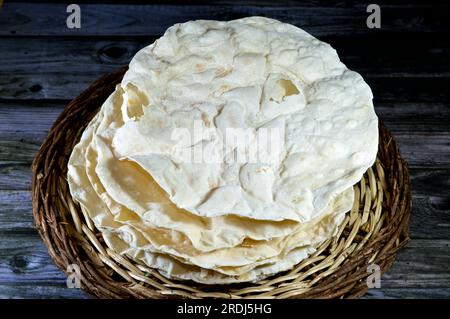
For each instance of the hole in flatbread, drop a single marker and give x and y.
(289, 87)
(277, 89)
(136, 100)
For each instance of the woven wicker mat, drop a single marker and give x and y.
(371, 234)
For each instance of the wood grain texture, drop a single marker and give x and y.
(430, 217)
(44, 65)
(26, 269)
(28, 73)
(130, 20)
(422, 129)
(55, 290)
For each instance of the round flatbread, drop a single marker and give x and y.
(253, 74)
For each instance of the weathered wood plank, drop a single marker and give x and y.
(16, 150)
(304, 3)
(14, 112)
(433, 182)
(27, 122)
(421, 129)
(419, 261)
(54, 85)
(37, 68)
(430, 213)
(21, 116)
(420, 151)
(295, 3)
(16, 212)
(15, 177)
(40, 291)
(106, 19)
(430, 217)
(25, 259)
(411, 293)
(24, 262)
(59, 291)
(399, 59)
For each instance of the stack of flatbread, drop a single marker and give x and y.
(161, 179)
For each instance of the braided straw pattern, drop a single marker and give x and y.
(372, 233)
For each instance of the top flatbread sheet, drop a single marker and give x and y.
(255, 74)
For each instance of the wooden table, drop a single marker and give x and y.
(44, 64)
